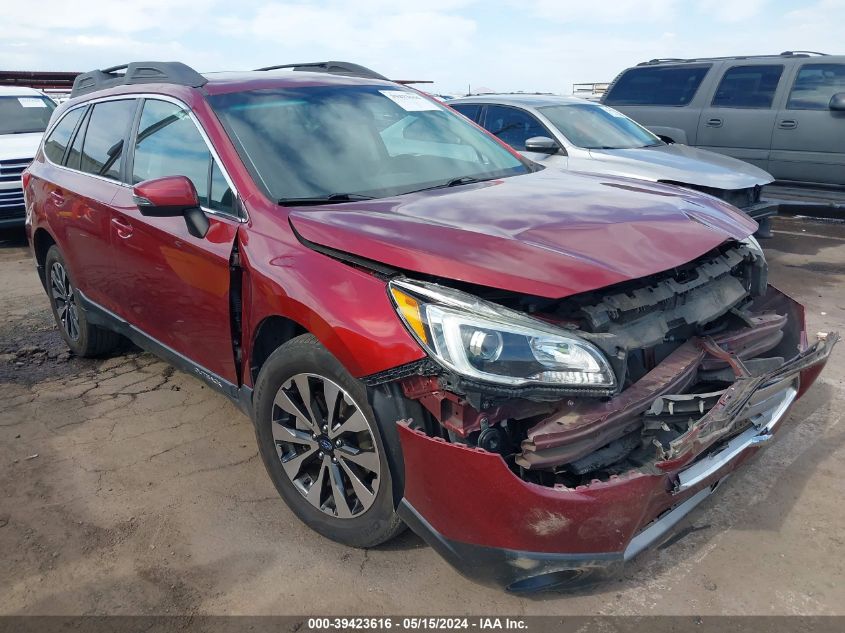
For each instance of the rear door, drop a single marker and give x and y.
(667, 99)
(739, 119)
(83, 181)
(175, 287)
(808, 143)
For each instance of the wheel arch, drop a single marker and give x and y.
(271, 333)
(42, 240)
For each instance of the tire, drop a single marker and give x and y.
(312, 472)
(82, 338)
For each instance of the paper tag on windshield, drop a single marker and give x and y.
(409, 101)
(31, 102)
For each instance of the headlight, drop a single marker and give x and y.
(489, 343)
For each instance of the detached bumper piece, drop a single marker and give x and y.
(495, 525)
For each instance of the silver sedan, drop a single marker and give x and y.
(573, 133)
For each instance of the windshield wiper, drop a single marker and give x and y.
(463, 180)
(331, 198)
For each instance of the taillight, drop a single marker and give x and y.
(25, 177)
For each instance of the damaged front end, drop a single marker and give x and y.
(698, 365)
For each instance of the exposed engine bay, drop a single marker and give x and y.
(695, 351)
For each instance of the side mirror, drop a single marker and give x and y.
(837, 102)
(542, 145)
(171, 197)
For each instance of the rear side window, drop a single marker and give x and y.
(513, 126)
(469, 110)
(102, 148)
(74, 156)
(56, 143)
(815, 85)
(169, 144)
(660, 85)
(748, 87)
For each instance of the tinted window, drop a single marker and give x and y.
(815, 85)
(56, 143)
(74, 156)
(748, 87)
(169, 144)
(512, 125)
(319, 141)
(25, 114)
(469, 110)
(104, 138)
(662, 85)
(221, 197)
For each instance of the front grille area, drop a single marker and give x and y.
(11, 204)
(11, 169)
(740, 198)
(11, 200)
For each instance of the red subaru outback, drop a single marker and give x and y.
(540, 373)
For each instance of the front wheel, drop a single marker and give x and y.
(322, 445)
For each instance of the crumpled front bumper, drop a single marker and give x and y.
(498, 529)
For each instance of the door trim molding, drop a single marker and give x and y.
(96, 314)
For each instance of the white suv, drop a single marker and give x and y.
(24, 114)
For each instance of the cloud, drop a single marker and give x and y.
(295, 25)
(587, 12)
(542, 45)
(112, 16)
(399, 39)
(735, 11)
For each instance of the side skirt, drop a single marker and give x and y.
(98, 315)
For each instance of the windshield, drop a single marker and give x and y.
(593, 126)
(367, 141)
(19, 115)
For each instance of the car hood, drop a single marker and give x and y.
(679, 163)
(548, 234)
(19, 145)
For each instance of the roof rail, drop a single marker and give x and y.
(802, 53)
(679, 60)
(137, 73)
(334, 68)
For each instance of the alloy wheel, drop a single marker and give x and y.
(64, 298)
(326, 445)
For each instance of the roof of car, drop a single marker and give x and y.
(786, 55)
(520, 99)
(222, 82)
(135, 76)
(19, 91)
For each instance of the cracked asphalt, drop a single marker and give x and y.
(130, 488)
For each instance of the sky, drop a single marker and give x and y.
(506, 45)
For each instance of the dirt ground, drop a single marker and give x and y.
(129, 488)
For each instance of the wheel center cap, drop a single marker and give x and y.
(325, 444)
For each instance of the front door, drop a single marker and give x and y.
(514, 126)
(809, 138)
(740, 117)
(175, 287)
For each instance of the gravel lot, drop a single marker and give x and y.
(129, 488)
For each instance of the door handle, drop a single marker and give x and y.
(58, 198)
(788, 124)
(714, 122)
(124, 229)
